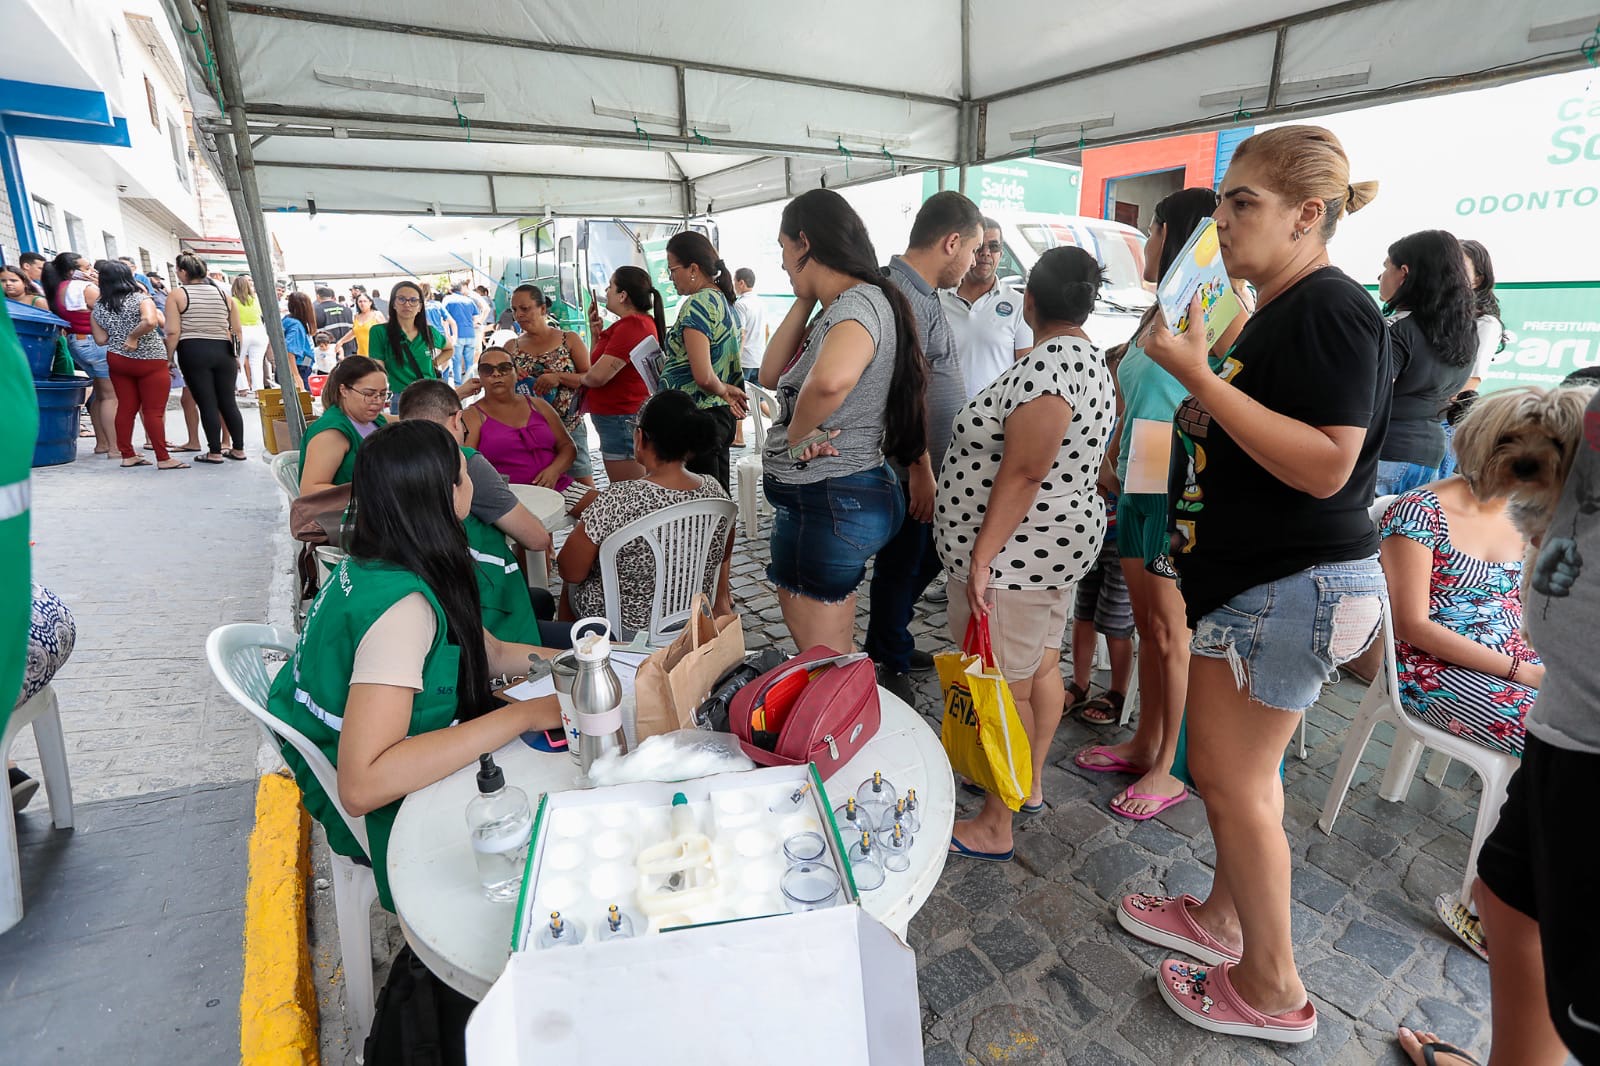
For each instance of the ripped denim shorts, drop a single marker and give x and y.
(823, 532)
(1285, 638)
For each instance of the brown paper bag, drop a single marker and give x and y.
(678, 678)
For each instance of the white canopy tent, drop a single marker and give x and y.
(535, 107)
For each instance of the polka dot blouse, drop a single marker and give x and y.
(1060, 537)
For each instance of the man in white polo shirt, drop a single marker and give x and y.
(986, 316)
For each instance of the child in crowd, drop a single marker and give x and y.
(327, 353)
(1103, 609)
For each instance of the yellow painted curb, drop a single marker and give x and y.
(278, 1006)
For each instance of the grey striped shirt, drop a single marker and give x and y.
(206, 316)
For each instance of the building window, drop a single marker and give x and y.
(111, 244)
(144, 260)
(77, 236)
(44, 226)
(180, 155)
(116, 46)
(150, 98)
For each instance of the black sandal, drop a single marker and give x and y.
(209, 459)
(1077, 696)
(1103, 709)
(1439, 1047)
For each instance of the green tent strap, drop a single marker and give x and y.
(462, 120)
(1240, 114)
(1081, 142)
(702, 138)
(1591, 47)
(640, 133)
(839, 143)
(888, 156)
(213, 79)
(1033, 146)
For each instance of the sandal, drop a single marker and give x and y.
(209, 460)
(185, 448)
(174, 466)
(137, 461)
(1077, 696)
(1462, 922)
(236, 454)
(1114, 764)
(1104, 709)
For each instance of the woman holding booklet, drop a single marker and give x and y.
(615, 389)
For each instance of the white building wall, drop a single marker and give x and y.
(152, 236)
(75, 181)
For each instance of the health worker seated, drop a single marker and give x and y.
(353, 401)
(390, 678)
(669, 431)
(521, 436)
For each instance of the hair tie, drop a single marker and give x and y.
(1349, 193)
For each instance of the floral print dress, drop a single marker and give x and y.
(564, 398)
(1479, 600)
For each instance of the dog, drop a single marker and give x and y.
(1518, 444)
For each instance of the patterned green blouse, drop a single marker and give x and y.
(709, 312)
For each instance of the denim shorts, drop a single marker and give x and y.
(583, 463)
(616, 436)
(824, 532)
(1285, 638)
(1395, 477)
(89, 355)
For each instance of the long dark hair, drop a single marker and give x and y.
(301, 308)
(116, 284)
(1179, 214)
(57, 272)
(398, 348)
(1483, 297)
(692, 248)
(634, 283)
(675, 427)
(403, 494)
(1436, 293)
(838, 240)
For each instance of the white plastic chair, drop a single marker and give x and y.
(762, 404)
(679, 538)
(286, 469)
(43, 713)
(234, 652)
(1411, 736)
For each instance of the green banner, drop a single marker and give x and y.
(1551, 330)
(1017, 185)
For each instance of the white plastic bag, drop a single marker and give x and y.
(678, 756)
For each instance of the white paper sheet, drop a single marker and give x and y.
(1149, 450)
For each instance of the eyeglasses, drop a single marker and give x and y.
(489, 370)
(407, 301)
(375, 395)
(992, 246)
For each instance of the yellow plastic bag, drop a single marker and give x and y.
(982, 732)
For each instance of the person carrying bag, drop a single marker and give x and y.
(981, 732)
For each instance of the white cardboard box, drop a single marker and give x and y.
(829, 987)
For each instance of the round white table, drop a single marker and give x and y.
(550, 508)
(465, 939)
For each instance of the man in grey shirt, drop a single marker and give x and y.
(943, 238)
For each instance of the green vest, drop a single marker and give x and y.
(335, 419)
(310, 691)
(18, 431)
(502, 588)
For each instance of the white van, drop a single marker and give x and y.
(1120, 249)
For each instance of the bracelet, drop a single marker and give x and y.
(1516, 664)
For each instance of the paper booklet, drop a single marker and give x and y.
(1199, 268)
(647, 358)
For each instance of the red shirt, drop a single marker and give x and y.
(625, 393)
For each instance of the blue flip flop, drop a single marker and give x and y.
(1031, 808)
(986, 856)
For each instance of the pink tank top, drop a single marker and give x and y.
(520, 454)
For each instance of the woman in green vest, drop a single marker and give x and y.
(353, 401)
(390, 678)
(407, 346)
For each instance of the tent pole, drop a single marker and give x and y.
(240, 164)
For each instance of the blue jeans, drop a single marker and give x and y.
(1284, 639)
(90, 356)
(464, 359)
(824, 532)
(904, 569)
(1448, 467)
(1403, 477)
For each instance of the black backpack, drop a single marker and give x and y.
(420, 1020)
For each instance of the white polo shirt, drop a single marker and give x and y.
(989, 332)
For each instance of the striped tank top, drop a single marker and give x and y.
(206, 317)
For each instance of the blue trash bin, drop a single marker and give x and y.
(60, 401)
(37, 330)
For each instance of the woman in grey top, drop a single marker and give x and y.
(851, 385)
(203, 334)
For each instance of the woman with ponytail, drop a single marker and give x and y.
(394, 650)
(615, 389)
(851, 388)
(702, 346)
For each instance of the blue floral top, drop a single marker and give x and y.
(1479, 600)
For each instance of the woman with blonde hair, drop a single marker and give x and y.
(1280, 437)
(252, 334)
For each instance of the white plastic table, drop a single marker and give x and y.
(550, 508)
(465, 940)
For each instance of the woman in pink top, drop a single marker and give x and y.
(521, 436)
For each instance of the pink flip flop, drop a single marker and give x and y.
(1204, 996)
(1115, 764)
(1165, 922)
(1161, 802)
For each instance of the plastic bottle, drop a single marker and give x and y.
(596, 697)
(500, 822)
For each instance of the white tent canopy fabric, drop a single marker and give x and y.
(523, 107)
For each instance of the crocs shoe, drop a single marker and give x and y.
(1165, 922)
(1205, 997)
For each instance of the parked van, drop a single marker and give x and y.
(1120, 249)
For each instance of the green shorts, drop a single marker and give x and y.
(1142, 531)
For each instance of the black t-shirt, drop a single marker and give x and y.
(1319, 353)
(1422, 388)
(334, 318)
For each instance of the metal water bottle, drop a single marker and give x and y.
(596, 696)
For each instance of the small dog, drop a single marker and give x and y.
(1518, 444)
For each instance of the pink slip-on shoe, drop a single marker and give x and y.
(1165, 921)
(1204, 996)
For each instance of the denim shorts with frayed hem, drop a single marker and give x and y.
(1284, 639)
(824, 532)
(616, 436)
